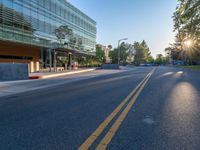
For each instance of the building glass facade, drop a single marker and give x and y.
(33, 22)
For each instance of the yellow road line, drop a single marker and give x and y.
(90, 140)
(110, 134)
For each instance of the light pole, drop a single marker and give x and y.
(119, 48)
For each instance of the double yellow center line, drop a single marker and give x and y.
(130, 99)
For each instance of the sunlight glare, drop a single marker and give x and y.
(188, 43)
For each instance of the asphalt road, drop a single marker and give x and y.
(165, 113)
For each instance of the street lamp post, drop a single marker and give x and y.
(119, 48)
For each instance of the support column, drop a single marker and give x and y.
(41, 63)
(37, 66)
(50, 60)
(54, 61)
(31, 66)
(66, 63)
(69, 64)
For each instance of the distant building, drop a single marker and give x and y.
(27, 31)
(106, 52)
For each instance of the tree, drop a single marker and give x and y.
(142, 52)
(100, 55)
(150, 59)
(110, 47)
(137, 53)
(123, 49)
(114, 56)
(160, 59)
(187, 25)
(145, 46)
(130, 57)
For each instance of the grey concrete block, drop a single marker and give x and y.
(110, 66)
(9, 71)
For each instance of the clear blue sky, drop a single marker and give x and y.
(134, 19)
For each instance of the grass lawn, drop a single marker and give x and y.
(195, 67)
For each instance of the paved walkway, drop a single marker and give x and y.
(45, 75)
(50, 80)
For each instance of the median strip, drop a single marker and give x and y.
(91, 139)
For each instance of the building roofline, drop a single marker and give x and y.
(68, 3)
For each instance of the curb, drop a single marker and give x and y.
(188, 69)
(34, 77)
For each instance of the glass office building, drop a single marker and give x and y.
(27, 29)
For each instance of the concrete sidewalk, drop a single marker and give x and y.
(46, 75)
(50, 80)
